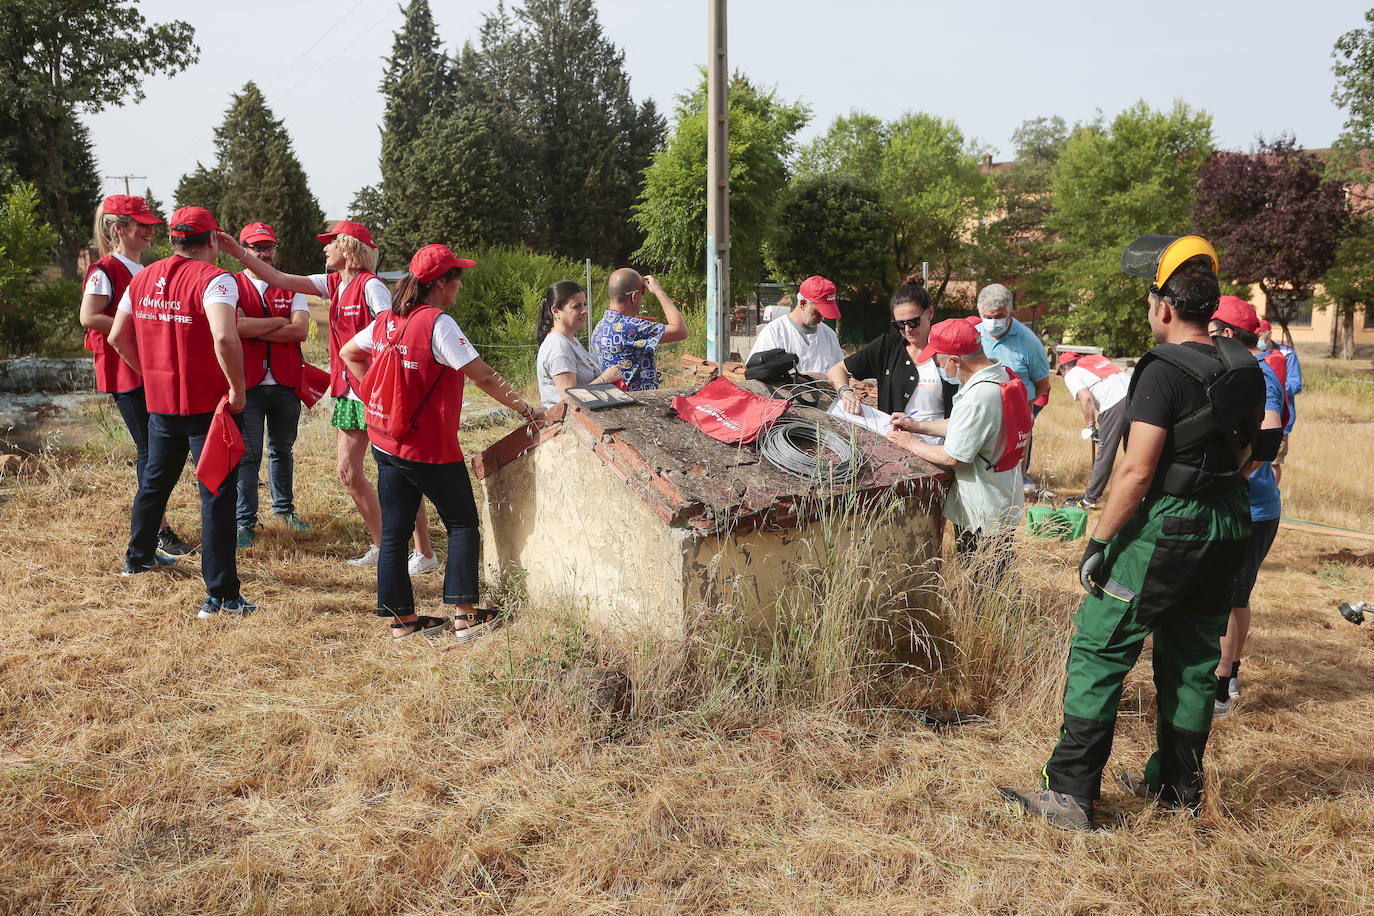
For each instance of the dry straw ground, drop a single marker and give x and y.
(299, 762)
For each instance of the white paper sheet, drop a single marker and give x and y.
(871, 419)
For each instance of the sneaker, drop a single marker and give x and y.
(1082, 502)
(420, 564)
(160, 560)
(247, 535)
(293, 521)
(368, 559)
(240, 605)
(214, 606)
(169, 543)
(1067, 811)
(1221, 709)
(1233, 688)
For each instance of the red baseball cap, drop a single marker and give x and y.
(822, 292)
(257, 232)
(1263, 326)
(191, 221)
(1238, 313)
(975, 319)
(136, 208)
(349, 228)
(433, 261)
(954, 336)
(1067, 356)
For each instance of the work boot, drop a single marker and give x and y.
(1134, 783)
(1067, 811)
(247, 534)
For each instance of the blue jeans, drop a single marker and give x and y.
(170, 436)
(134, 409)
(278, 407)
(400, 486)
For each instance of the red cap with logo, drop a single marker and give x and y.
(191, 221)
(1263, 326)
(349, 228)
(953, 336)
(1067, 356)
(1238, 313)
(822, 292)
(433, 261)
(136, 208)
(254, 233)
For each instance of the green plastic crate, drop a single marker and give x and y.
(1067, 524)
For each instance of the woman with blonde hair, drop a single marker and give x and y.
(123, 230)
(356, 296)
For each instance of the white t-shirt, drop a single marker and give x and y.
(1106, 392)
(298, 304)
(927, 401)
(981, 499)
(97, 284)
(816, 352)
(220, 289)
(559, 354)
(449, 344)
(377, 295)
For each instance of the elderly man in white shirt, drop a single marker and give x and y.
(802, 332)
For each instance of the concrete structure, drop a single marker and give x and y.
(647, 520)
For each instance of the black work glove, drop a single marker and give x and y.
(1094, 555)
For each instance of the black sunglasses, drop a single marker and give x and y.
(913, 323)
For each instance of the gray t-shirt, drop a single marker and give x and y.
(558, 354)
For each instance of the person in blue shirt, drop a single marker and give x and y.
(1015, 346)
(1292, 384)
(1236, 318)
(629, 342)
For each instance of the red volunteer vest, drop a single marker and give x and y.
(284, 359)
(1099, 366)
(1279, 363)
(112, 374)
(432, 436)
(348, 314)
(180, 370)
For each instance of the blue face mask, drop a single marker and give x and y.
(949, 379)
(1263, 344)
(996, 326)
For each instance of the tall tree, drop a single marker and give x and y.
(1013, 247)
(1113, 183)
(832, 225)
(258, 179)
(1275, 220)
(1348, 287)
(59, 58)
(929, 180)
(672, 203)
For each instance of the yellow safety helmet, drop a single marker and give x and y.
(1156, 257)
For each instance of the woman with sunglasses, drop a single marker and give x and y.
(906, 385)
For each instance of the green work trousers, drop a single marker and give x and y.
(1168, 573)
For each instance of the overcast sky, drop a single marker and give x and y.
(1259, 67)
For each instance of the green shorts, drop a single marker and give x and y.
(348, 414)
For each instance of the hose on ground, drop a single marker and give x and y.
(804, 450)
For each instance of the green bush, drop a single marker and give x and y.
(499, 304)
(37, 316)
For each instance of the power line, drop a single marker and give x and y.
(126, 179)
(337, 22)
(329, 60)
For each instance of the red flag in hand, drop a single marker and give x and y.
(222, 450)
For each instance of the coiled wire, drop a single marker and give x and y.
(782, 444)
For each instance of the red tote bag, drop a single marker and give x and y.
(725, 411)
(222, 450)
(313, 385)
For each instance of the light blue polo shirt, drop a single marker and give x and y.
(1020, 351)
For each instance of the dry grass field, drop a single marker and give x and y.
(298, 761)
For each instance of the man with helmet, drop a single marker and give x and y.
(1167, 546)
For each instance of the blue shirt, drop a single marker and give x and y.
(1292, 384)
(629, 342)
(1020, 351)
(1265, 502)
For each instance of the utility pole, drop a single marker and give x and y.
(717, 188)
(126, 179)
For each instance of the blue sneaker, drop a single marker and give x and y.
(214, 606)
(160, 560)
